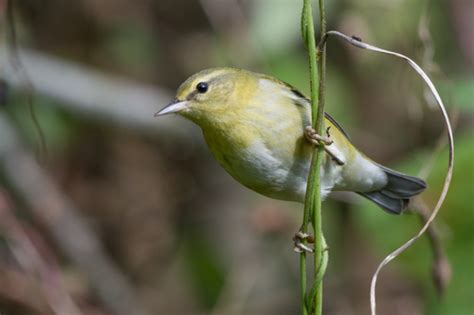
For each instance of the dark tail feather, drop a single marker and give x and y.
(394, 197)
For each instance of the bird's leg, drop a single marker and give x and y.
(299, 239)
(312, 136)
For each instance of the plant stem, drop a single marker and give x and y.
(317, 217)
(312, 207)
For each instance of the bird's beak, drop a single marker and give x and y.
(173, 107)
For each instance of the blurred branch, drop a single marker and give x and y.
(94, 94)
(441, 270)
(427, 166)
(228, 20)
(22, 292)
(20, 289)
(463, 22)
(223, 15)
(37, 261)
(17, 65)
(65, 224)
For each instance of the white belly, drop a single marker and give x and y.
(259, 169)
(280, 174)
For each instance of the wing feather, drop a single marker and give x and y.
(300, 99)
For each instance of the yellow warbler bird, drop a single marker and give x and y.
(257, 128)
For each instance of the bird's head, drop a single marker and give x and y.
(210, 95)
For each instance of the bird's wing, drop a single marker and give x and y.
(336, 124)
(300, 99)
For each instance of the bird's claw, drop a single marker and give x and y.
(313, 137)
(300, 246)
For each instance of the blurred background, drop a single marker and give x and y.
(106, 210)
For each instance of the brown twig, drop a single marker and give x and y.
(441, 270)
(20, 70)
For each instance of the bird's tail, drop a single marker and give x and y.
(394, 197)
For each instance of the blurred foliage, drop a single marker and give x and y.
(460, 92)
(130, 47)
(205, 269)
(455, 220)
(141, 192)
(59, 127)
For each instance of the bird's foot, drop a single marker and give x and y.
(299, 242)
(312, 136)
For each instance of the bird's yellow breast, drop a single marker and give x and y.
(263, 146)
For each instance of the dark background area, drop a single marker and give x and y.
(112, 211)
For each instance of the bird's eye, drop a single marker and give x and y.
(202, 87)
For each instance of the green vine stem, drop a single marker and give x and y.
(312, 301)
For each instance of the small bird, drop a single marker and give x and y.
(259, 130)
